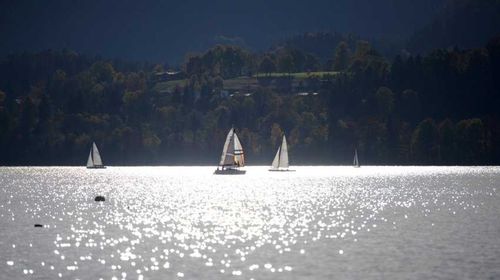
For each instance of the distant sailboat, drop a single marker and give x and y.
(280, 162)
(94, 160)
(232, 157)
(355, 162)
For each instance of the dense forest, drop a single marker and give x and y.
(439, 108)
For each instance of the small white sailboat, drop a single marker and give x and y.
(355, 162)
(232, 157)
(280, 162)
(94, 161)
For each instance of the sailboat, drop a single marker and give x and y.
(232, 157)
(355, 162)
(280, 162)
(94, 160)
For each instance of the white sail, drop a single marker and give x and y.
(90, 163)
(232, 153)
(281, 158)
(356, 161)
(284, 154)
(232, 156)
(276, 161)
(95, 155)
(239, 156)
(228, 150)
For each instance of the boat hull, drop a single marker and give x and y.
(96, 167)
(281, 170)
(229, 171)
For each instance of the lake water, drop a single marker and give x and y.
(316, 223)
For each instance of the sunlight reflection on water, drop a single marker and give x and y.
(184, 222)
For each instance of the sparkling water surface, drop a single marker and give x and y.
(184, 222)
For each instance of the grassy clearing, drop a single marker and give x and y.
(241, 83)
(244, 82)
(169, 85)
(299, 75)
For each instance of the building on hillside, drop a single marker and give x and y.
(169, 75)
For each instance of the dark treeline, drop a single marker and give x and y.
(320, 44)
(464, 23)
(441, 108)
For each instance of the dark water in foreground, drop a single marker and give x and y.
(316, 223)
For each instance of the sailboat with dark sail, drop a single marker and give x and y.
(355, 162)
(280, 162)
(232, 157)
(94, 161)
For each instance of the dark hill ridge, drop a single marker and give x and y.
(462, 23)
(163, 31)
(320, 44)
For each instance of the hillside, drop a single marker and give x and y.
(462, 23)
(245, 84)
(441, 108)
(320, 44)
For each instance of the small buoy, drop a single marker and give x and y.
(38, 225)
(100, 198)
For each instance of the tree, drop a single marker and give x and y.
(425, 142)
(28, 116)
(312, 63)
(276, 134)
(471, 140)
(409, 106)
(150, 140)
(342, 57)
(447, 143)
(45, 109)
(285, 63)
(267, 65)
(2, 97)
(385, 101)
(103, 72)
(363, 49)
